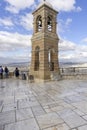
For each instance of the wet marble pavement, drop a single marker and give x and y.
(59, 105)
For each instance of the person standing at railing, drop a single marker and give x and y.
(6, 72)
(16, 72)
(1, 72)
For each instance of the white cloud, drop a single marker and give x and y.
(79, 9)
(61, 5)
(64, 5)
(84, 40)
(63, 26)
(6, 22)
(14, 47)
(72, 52)
(16, 5)
(27, 21)
(68, 21)
(12, 9)
(65, 45)
(11, 41)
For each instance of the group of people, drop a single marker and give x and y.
(5, 72)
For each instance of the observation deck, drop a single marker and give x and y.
(43, 106)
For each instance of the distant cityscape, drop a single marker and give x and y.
(61, 64)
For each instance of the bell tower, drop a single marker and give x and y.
(44, 60)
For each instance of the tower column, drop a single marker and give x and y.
(43, 62)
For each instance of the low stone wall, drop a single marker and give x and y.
(11, 74)
(74, 76)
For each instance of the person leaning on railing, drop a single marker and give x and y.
(1, 72)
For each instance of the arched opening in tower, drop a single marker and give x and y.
(37, 57)
(50, 60)
(49, 23)
(39, 23)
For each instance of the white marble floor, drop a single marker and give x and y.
(58, 105)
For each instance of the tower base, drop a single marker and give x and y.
(55, 76)
(45, 77)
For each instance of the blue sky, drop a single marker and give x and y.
(16, 29)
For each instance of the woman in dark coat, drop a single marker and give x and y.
(6, 72)
(17, 72)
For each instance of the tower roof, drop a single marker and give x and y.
(44, 2)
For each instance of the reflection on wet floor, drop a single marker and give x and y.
(54, 105)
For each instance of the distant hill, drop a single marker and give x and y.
(61, 64)
(72, 64)
(19, 64)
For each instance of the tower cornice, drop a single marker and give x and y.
(44, 5)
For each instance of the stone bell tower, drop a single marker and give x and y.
(44, 60)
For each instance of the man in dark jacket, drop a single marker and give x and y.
(1, 72)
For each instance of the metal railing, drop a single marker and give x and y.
(73, 70)
(65, 71)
